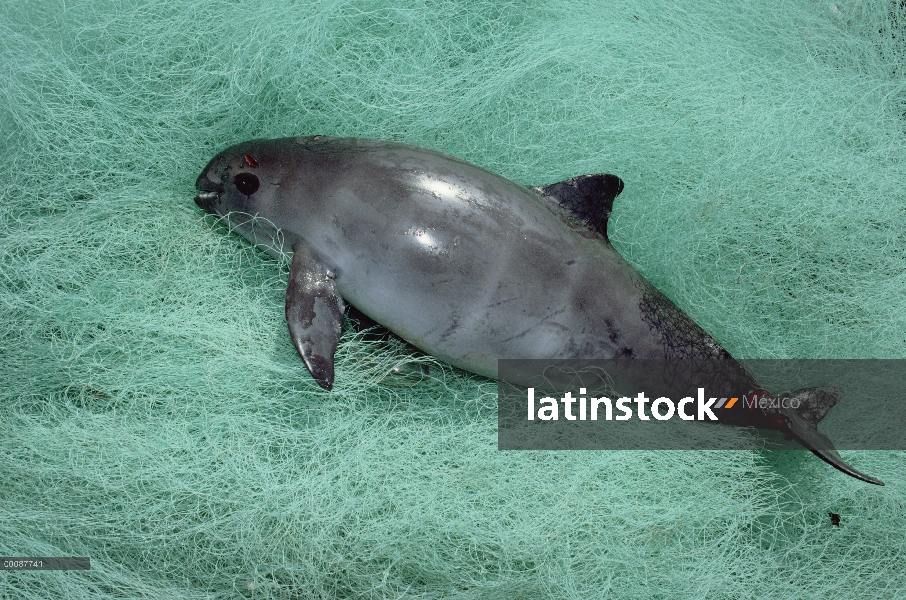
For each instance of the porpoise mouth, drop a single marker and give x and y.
(206, 200)
(210, 192)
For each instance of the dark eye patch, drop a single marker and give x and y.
(246, 183)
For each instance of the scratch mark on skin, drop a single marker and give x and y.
(545, 320)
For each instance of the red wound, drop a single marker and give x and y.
(777, 421)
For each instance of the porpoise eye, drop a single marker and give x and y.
(246, 183)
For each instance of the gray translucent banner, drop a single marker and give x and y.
(596, 404)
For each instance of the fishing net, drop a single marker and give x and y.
(155, 417)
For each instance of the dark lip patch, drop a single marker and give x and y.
(207, 200)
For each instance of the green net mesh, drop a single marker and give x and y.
(155, 417)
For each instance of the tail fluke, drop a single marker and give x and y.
(801, 424)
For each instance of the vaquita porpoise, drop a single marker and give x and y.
(462, 263)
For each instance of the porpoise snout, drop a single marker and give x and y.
(211, 191)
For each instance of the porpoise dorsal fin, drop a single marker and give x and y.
(588, 197)
(314, 314)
